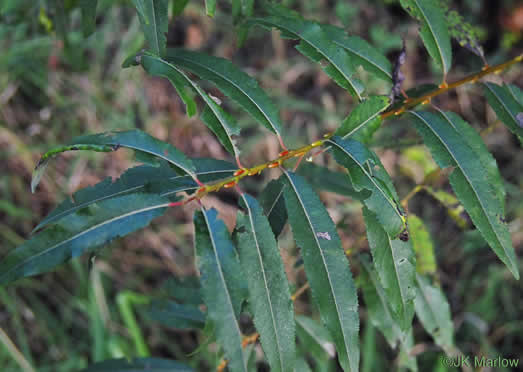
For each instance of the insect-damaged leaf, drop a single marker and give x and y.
(220, 276)
(367, 173)
(110, 141)
(396, 266)
(470, 179)
(217, 119)
(232, 81)
(80, 233)
(269, 294)
(315, 45)
(434, 31)
(326, 267)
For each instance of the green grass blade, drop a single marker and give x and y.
(269, 294)
(326, 267)
(232, 81)
(220, 276)
(363, 120)
(138, 365)
(434, 31)
(80, 233)
(470, 181)
(136, 140)
(315, 45)
(367, 173)
(506, 106)
(395, 263)
(433, 311)
(217, 119)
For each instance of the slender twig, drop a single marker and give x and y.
(302, 151)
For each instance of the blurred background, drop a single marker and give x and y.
(56, 84)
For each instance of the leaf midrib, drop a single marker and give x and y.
(443, 64)
(362, 124)
(222, 277)
(324, 265)
(163, 205)
(502, 103)
(224, 77)
(468, 181)
(382, 192)
(269, 300)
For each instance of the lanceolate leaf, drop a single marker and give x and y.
(316, 46)
(138, 365)
(81, 232)
(112, 141)
(315, 338)
(210, 7)
(433, 311)
(396, 266)
(378, 306)
(220, 275)
(506, 107)
(269, 294)
(364, 119)
(271, 199)
(88, 8)
(232, 81)
(174, 315)
(162, 180)
(153, 17)
(219, 121)
(361, 52)
(326, 267)
(470, 182)
(434, 31)
(367, 173)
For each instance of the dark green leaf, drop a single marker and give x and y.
(138, 365)
(80, 233)
(434, 31)
(154, 19)
(269, 296)
(433, 310)
(88, 8)
(396, 266)
(367, 173)
(326, 267)
(187, 290)
(219, 121)
(174, 315)
(178, 6)
(364, 119)
(378, 305)
(271, 199)
(220, 276)
(470, 181)
(506, 106)
(111, 141)
(316, 46)
(162, 180)
(361, 52)
(232, 81)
